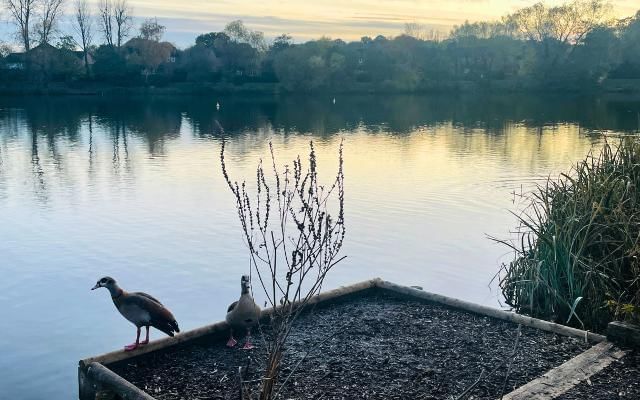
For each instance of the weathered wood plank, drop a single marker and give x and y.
(108, 382)
(564, 377)
(624, 334)
(493, 312)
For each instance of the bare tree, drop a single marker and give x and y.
(122, 16)
(21, 12)
(238, 32)
(149, 54)
(294, 230)
(150, 29)
(5, 49)
(422, 32)
(415, 30)
(567, 23)
(84, 29)
(50, 11)
(581, 17)
(105, 20)
(483, 30)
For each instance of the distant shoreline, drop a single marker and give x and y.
(620, 86)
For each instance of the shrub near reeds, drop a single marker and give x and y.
(576, 257)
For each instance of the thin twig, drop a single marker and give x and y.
(512, 358)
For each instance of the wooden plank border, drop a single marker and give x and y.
(106, 381)
(561, 379)
(492, 312)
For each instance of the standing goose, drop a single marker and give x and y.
(140, 309)
(243, 314)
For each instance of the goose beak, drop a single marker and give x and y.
(95, 287)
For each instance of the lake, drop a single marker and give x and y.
(132, 188)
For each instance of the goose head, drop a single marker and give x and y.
(107, 282)
(245, 284)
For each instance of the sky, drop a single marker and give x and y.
(305, 19)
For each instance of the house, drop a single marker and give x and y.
(151, 56)
(48, 63)
(14, 61)
(44, 50)
(45, 62)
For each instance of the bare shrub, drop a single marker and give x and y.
(294, 229)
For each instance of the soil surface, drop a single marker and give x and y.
(620, 380)
(375, 347)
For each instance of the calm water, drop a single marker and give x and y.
(133, 189)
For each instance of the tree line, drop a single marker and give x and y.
(575, 45)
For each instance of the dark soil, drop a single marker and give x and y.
(376, 347)
(620, 380)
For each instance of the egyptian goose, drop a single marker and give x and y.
(243, 314)
(140, 309)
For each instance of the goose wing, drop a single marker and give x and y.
(232, 306)
(148, 296)
(160, 317)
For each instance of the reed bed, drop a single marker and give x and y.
(576, 252)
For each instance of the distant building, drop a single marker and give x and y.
(151, 56)
(44, 50)
(14, 61)
(174, 56)
(41, 53)
(48, 63)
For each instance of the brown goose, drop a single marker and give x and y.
(243, 314)
(140, 309)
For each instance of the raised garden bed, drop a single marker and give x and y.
(378, 346)
(373, 340)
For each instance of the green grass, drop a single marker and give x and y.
(576, 257)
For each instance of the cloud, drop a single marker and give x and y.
(306, 20)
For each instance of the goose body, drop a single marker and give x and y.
(243, 314)
(136, 315)
(140, 309)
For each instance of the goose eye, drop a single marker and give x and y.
(103, 280)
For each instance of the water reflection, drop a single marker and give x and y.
(73, 123)
(132, 188)
(161, 118)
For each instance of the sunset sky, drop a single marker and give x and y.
(346, 19)
(305, 20)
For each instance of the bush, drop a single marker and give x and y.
(576, 260)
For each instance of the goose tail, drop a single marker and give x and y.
(168, 327)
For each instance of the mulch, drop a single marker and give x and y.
(374, 347)
(620, 380)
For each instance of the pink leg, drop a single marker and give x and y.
(135, 345)
(146, 340)
(247, 343)
(232, 342)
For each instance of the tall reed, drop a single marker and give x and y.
(576, 253)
